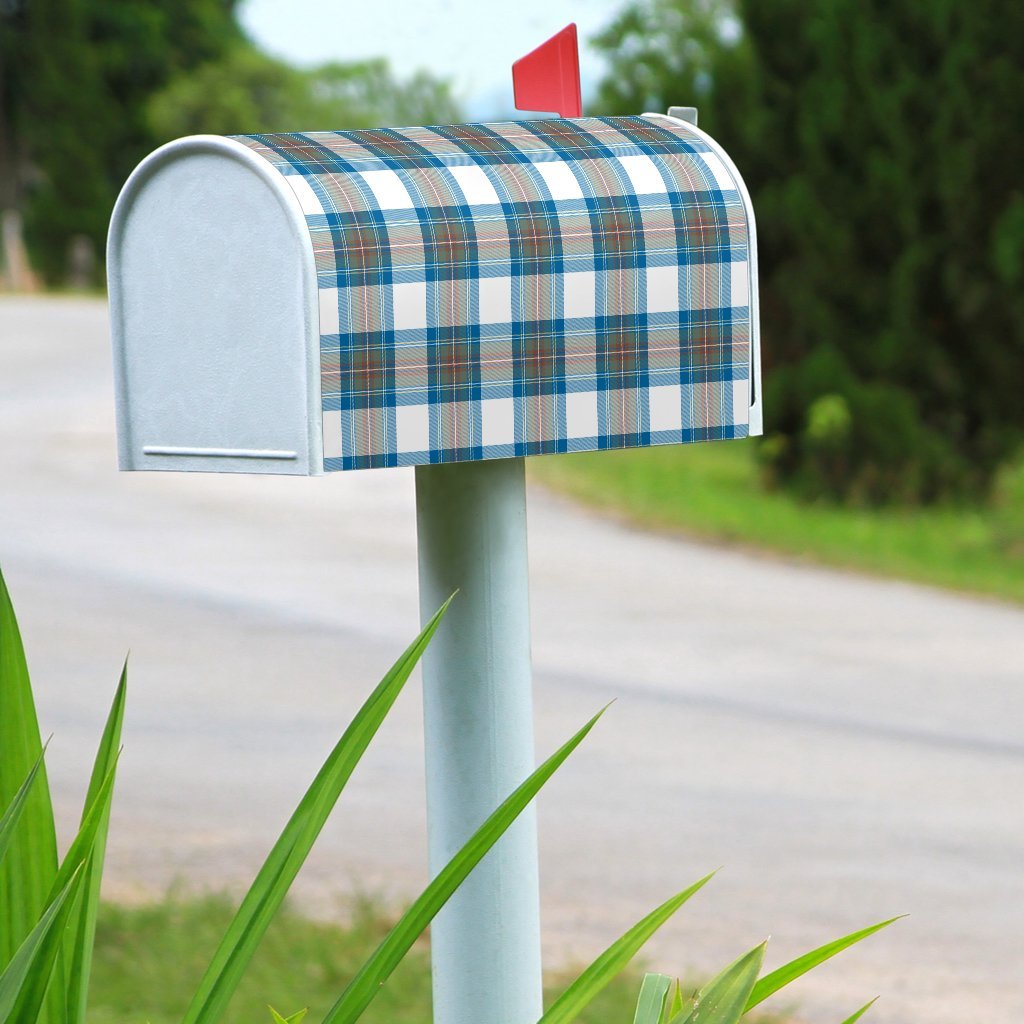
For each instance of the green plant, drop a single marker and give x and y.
(723, 1000)
(48, 910)
(730, 995)
(48, 913)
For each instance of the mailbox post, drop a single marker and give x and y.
(454, 298)
(478, 720)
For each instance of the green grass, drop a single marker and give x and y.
(713, 491)
(149, 959)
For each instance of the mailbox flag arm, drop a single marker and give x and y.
(548, 78)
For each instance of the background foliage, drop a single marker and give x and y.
(248, 91)
(76, 78)
(876, 140)
(89, 87)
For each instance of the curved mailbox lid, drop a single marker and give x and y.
(525, 288)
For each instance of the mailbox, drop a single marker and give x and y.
(295, 303)
(454, 297)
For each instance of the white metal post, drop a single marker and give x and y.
(478, 712)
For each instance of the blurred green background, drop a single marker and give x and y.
(881, 146)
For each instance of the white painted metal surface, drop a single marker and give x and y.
(478, 720)
(215, 319)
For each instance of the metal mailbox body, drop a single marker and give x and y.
(341, 300)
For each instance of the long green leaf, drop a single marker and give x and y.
(84, 843)
(73, 865)
(853, 1018)
(25, 978)
(782, 976)
(723, 1000)
(372, 975)
(82, 931)
(30, 866)
(282, 864)
(651, 1003)
(572, 1001)
(13, 813)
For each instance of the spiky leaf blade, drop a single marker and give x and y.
(611, 962)
(675, 1006)
(73, 866)
(723, 999)
(25, 979)
(82, 931)
(12, 815)
(782, 976)
(372, 975)
(272, 883)
(854, 1017)
(30, 866)
(651, 1003)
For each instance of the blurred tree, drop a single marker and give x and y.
(364, 94)
(76, 75)
(245, 91)
(248, 91)
(88, 87)
(880, 145)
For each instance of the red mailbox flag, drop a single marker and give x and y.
(548, 78)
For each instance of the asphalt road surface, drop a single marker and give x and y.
(846, 748)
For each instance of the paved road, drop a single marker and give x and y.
(846, 748)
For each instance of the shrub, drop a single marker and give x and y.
(890, 219)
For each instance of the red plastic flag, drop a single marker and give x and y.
(548, 78)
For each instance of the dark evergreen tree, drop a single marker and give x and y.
(74, 84)
(882, 145)
(88, 87)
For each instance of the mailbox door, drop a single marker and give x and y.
(215, 322)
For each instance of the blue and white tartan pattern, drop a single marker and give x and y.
(523, 288)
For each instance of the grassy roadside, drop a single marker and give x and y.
(712, 491)
(149, 959)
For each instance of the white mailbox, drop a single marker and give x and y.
(297, 303)
(454, 298)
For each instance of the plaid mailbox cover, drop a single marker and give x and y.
(525, 288)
